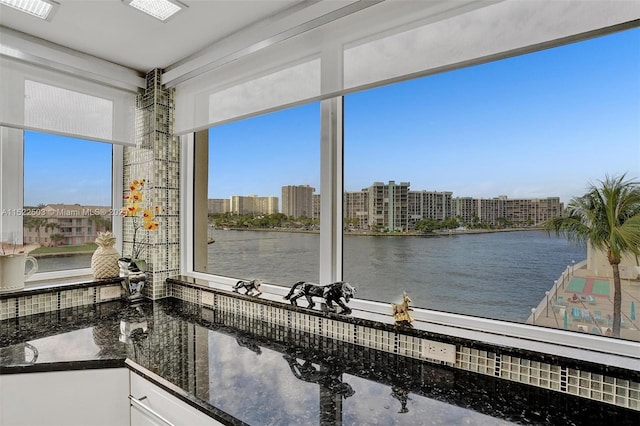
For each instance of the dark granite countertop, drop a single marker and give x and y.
(243, 371)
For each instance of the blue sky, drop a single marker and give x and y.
(65, 170)
(537, 125)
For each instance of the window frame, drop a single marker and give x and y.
(565, 343)
(12, 171)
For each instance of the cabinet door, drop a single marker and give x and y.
(151, 405)
(142, 417)
(80, 397)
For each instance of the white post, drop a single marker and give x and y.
(546, 293)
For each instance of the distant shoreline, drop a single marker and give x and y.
(388, 234)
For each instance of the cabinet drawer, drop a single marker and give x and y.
(152, 405)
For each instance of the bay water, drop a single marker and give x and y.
(500, 275)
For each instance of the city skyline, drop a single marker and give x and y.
(254, 194)
(549, 122)
(542, 124)
(395, 207)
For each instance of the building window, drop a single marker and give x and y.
(67, 185)
(263, 173)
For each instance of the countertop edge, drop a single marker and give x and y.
(64, 366)
(193, 401)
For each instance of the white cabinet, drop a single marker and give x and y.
(152, 405)
(77, 397)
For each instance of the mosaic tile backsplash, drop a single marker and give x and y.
(156, 158)
(28, 302)
(465, 355)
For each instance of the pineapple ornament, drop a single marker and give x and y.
(104, 262)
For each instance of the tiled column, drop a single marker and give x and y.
(156, 159)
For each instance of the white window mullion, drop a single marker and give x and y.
(11, 184)
(187, 228)
(331, 187)
(117, 182)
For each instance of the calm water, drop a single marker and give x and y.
(58, 263)
(495, 275)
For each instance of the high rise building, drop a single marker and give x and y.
(429, 205)
(252, 204)
(518, 211)
(316, 206)
(356, 209)
(218, 205)
(297, 200)
(388, 206)
(465, 209)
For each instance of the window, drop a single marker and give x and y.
(447, 179)
(67, 198)
(438, 169)
(263, 178)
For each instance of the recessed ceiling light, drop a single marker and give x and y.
(39, 8)
(159, 9)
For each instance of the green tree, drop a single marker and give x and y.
(428, 225)
(50, 226)
(101, 223)
(56, 239)
(608, 218)
(35, 222)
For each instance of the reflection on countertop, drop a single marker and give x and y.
(246, 371)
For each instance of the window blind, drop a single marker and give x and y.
(39, 99)
(388, 42)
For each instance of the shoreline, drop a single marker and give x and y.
(389, 234)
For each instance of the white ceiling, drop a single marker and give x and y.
(116, 32)
(212, 34)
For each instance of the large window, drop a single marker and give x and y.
(67, 199)
(449, 177)
(448, 180)
(263, 190)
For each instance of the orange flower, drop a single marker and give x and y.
(136, 196)
(148, 215)
(132, 209)
(150, 225)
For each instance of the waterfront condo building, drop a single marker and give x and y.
(65, 224)
(502, 210)
(316, 206)
(356, 209)
(252, 204)
(388, 206)
(297, 200)
(218, 205)
(429, 205)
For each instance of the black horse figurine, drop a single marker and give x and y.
(334, 292)
(251, 288)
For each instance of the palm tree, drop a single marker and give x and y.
(36, 222)
(608, 218)
(100, 222)
(50, 226)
